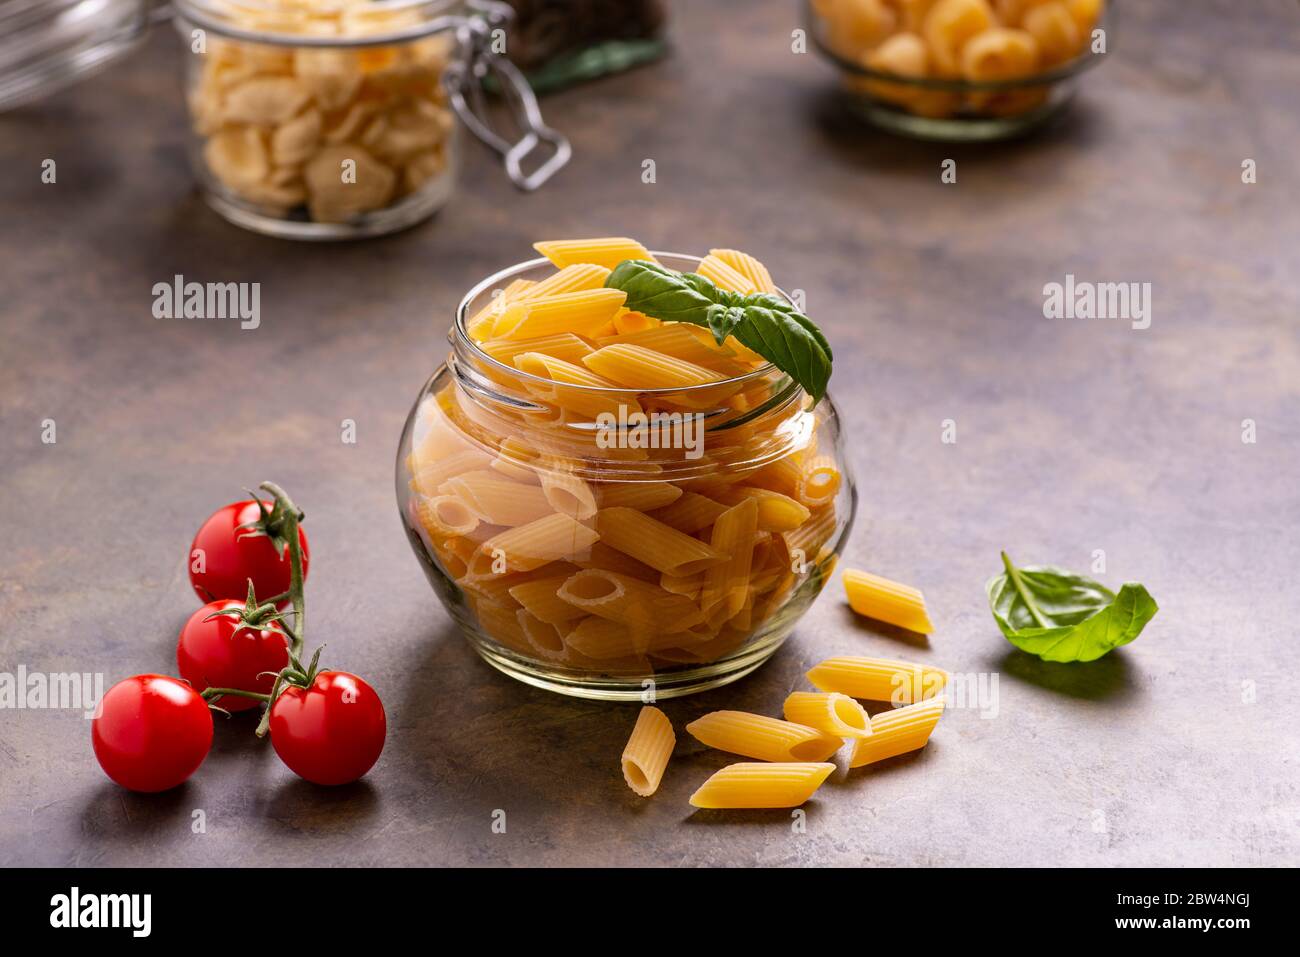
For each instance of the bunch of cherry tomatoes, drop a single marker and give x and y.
(236, 652)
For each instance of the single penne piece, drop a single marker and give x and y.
(776, 512)
(878, 679)
(607, 252)
(563, 345)
(530, 546)
(647, 751)
(747, 266)
(637, 367)
(540, 598)
(819, 481)
(585, 312)
(446, 515)
(587, 399)
(724, 276)
(690, 513)
(898, 732)
(762, 785)
(660, 546)
(499, 500)
(568, 494)
(629, 601)
(610, 559)
(761, 737)
(642, 496)
(432, 474)
(727, 584)
(828, 712)
(480, 326)
(887, 601)
(543, 637)
(682, 340)
(780, 476)
(576, 278)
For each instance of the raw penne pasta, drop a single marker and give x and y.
(642, 368)
(533, 545)
(543, 637)
(887, 601)
(501, 622)
(628, 322)
(603, 557)
(587, 399)
(761, 785)
(540, 598)
(563, 345)
(576, 278)
(603, 639)
(660, 546)
(761, 737)
(629, 601)
(607, 252)
(647, 751)
(828, 712)
(727, 584)
(690, 513)
(585, 312)
(486, 317)
(498, 500)
(776, 512)
(677, 339)
(878, 679)
(430, 476)
(722, 275)
(819, 481)
(642, 496)
(688, 585)
(446, 515)
(747, 266)
(897, 732)
(568, 494)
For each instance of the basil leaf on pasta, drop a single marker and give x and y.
(767, 324)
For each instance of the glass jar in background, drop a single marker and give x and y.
(336, 119)
(960, 70)
(488, 449)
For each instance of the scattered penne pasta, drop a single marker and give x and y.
(647, 752)
(887, 601)
(878, 679)
(762, 785)
(828, 712)
(897, 732)
(761, 737)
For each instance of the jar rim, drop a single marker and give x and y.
(461, 337)
(437, 16)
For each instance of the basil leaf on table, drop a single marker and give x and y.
(1060, 616)
(767, 324)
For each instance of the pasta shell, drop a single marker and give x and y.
(265, 101)
(295, 141)
(237, 156)
(330, 199)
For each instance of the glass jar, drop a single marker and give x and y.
(960, 70)
(336, 119)
(580, 602)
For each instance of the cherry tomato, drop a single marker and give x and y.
(229, 556)
(331, 732)
(212, 654)
(151, 733)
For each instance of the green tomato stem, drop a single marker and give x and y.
(298, 635)
(209, 694)
(1014, 574)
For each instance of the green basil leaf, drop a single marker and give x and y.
(1060, 616)
(767, 324)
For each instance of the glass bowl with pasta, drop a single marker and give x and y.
(960, 70)
(601, 499)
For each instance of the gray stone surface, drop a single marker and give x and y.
(1072, 436)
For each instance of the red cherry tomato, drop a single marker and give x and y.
(332, 732)
(152, 732)
(212, 654)
(229, 556)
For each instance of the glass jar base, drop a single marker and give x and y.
(676, 683)
(957, 129)
(410, 211)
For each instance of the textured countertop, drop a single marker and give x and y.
(1072, 436)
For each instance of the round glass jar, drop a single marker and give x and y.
(624, 572)
(336, 119)
(909, 67)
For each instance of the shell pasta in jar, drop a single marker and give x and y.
(604, 496)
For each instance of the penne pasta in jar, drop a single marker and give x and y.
(591, 497)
